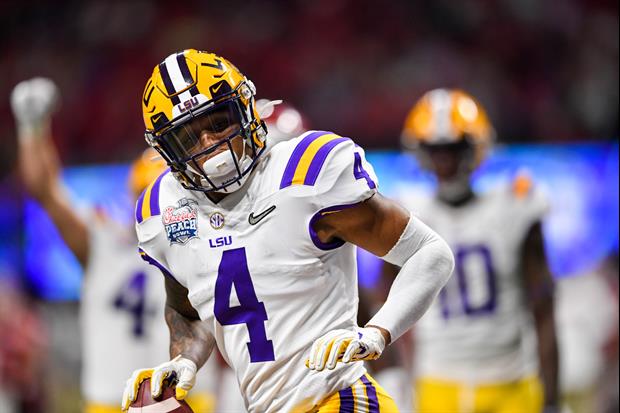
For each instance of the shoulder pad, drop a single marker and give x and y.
(308, 157)
(148, 202)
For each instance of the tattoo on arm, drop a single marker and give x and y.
(188, 334)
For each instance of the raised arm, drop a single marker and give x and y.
(539, 289)
(33, 102)
(384, 228)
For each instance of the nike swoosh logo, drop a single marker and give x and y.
(253, 220)
(215, 89)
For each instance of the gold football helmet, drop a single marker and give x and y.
(200, 115)
(448, 116)
(145, 170)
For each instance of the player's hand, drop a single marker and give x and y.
(345, 346)
(33, 101)
(184, 369)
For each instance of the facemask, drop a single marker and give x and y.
(455, 190)
(221, 169)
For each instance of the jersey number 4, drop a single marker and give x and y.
(233, 271)
(131, 298)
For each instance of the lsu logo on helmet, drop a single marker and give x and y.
(191, 91)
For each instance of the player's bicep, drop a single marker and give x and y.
(374, 225)
(176, 299)
(189, 336)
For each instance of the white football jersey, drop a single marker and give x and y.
(256, 271)
(121, 311)
(122, 316)
(479, 328)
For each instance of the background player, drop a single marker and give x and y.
(122, 299)
(475, 349)
(255, 254)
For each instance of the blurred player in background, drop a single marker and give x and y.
(257, 248)
(23, 352)
(122, 301)
(587, 324)
(475, 349)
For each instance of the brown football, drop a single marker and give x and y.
(166, 403)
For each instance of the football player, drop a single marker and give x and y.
(122, 298)
(490, 336)
(283, 121)
(258, 247)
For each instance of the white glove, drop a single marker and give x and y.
(346, 346)
(184, 369)
(33, 101)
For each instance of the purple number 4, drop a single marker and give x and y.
(234, 270)
(132, 299)
(360, 173)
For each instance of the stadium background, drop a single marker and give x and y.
(547, 72)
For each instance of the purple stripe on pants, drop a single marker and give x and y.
(373, 402)
(347, 404)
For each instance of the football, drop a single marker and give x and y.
(166, 403)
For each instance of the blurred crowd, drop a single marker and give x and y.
(546, 71)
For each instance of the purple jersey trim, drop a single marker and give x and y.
(319, 160)
(298, 152)
(155, 263)
(371, 392)
(153, 199)
(313, 235)
(139, 207)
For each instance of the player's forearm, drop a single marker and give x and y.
(427, 263)
(188, 337)
(547, 350)
(70, 225)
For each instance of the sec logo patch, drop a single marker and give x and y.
(216, 220)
